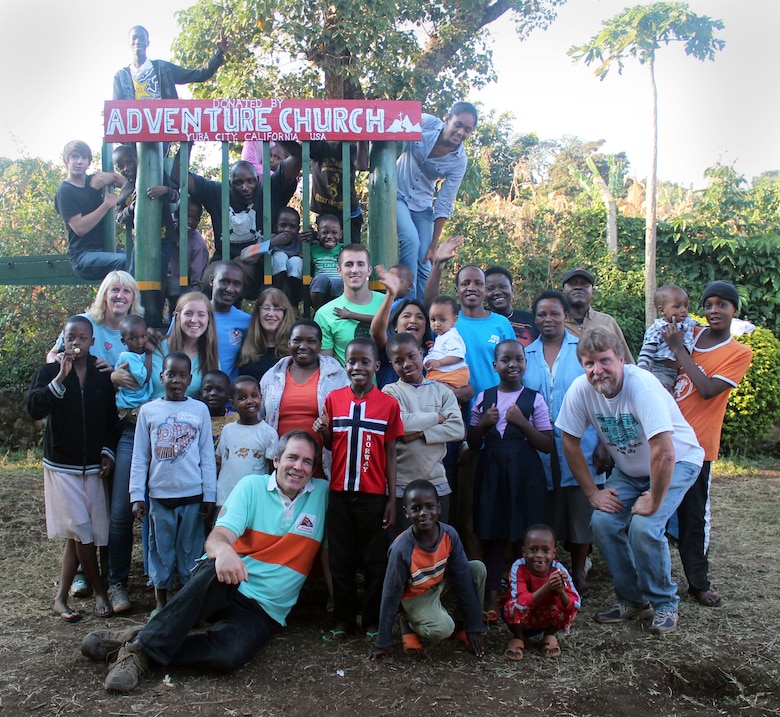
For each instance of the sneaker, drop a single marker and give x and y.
(663, 621)
(103, 645)
(120, 600)
(80, 588)
(125, 674)
(622, 610)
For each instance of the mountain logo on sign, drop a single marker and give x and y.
(403, 124)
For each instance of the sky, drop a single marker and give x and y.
(59, 65)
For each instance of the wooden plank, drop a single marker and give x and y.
(39, 270)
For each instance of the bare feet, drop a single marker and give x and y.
(62, 609)
(102, 606)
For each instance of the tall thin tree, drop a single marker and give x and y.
(638, 32)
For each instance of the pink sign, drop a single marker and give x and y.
(266, 120)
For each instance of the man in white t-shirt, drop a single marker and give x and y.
(657, 458)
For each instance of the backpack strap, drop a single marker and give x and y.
(525, 401)
(489, 398)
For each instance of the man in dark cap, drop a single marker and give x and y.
(577, 285)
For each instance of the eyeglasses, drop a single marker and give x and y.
(272, 309)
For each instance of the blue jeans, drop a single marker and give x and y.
(328, 285)
(415, 234)
(176, 537)
(120, 531)
(635, 546)
(94, 265)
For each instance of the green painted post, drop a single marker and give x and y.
(184, 203)
(108, 223)
(225, 243)
(148, 227)
(265, 279)
(346, 193)
(382, 191)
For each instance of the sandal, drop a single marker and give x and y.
(412, 644)
(550, 647)
(490, 616)
(103, 610)
(515, 650)
(335, 634)
(708, 598)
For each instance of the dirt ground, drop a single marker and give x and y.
(720, 662)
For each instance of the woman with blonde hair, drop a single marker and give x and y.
(266, 339)
(118, 296)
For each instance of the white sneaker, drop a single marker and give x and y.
(119, 599)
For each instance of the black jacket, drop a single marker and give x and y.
(169, 76)
(82, 426)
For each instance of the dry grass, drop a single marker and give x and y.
(720, 662)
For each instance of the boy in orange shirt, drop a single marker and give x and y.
(716, 364)
(426, 562)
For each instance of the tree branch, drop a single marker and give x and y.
(442, 47)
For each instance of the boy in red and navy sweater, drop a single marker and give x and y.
(360, 425)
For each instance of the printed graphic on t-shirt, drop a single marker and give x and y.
(683, 386)
(235, 337)
(146, 84)
(620, 431)
(363, 330)
(243, 227)
(174, 438)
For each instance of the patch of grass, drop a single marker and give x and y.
(742, 466)
(720, 662)
(22, 461)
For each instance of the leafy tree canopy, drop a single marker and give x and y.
(639, 31)
(429, 50)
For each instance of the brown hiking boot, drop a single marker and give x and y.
(125, 674)
(103, 645)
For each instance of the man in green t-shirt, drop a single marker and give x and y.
(349, 315)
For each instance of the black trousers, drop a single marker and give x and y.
(692, 541)
(355, 529)
(240, 627)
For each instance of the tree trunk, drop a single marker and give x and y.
(650, 210)
(611, 206)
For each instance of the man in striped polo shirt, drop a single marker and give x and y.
(257, 558)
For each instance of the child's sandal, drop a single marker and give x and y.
(549, 646)
(515, 650)
(490, 617)
(412, 644)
